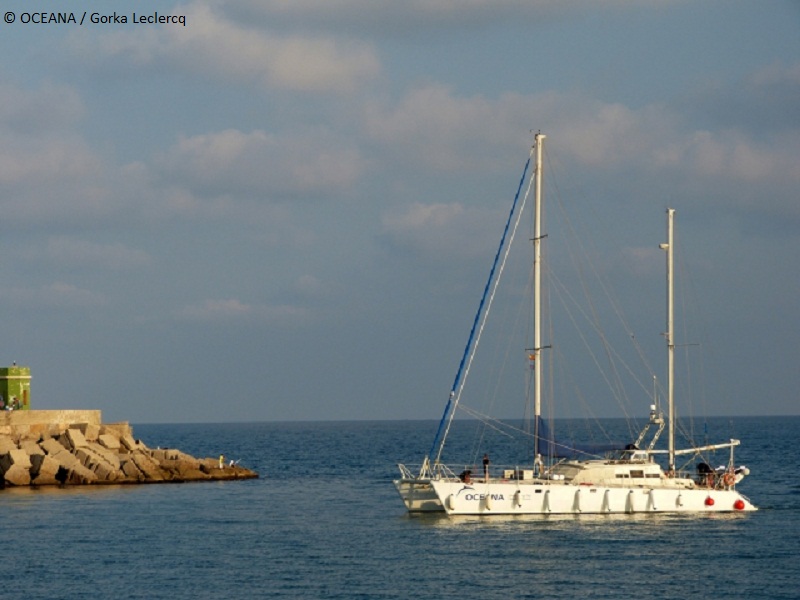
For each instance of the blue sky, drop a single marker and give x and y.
(286, 210)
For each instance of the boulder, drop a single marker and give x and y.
(52, 446)
(44, 470)
(184, 469)
(80, 475)
(66, 459)
(109, 441)
(75, 438)
(131, 471)
(15, 457)
(130, 444)
(6, 444)
(112, 458)
(147, 466)
(17, 475)
(91, 432)
(31, 447)
(105, 472)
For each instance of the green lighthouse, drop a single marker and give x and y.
(15, 388)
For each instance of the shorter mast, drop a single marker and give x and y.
(669, 335)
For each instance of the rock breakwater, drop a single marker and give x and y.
(90, 453)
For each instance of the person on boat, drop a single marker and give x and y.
(486, 467)
(705, 475)
(466, 476)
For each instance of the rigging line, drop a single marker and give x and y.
(578, 265)
(600, 333)
(561, 289)
(489, 422)
(685, 384)
(690, 378)
(509, 348)
(513, 321)
(568, 379)
(488, 309)
(449, 406)
(553, 285)
(609, 295)
(610, 352)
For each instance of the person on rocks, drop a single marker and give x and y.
(221, 461)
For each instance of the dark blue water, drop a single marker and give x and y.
(324, 521)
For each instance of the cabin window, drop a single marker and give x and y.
(637, 474)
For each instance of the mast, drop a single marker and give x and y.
(537, 293)
(670, 342)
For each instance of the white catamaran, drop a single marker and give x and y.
(627, 481)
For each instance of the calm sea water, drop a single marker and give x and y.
(324, 521)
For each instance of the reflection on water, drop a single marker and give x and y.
(574, 522)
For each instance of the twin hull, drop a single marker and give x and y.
(509, 498)
(418, 495)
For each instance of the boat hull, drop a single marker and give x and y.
(512, 498)
(418, 495)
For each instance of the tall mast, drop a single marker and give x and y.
(669, 337)
(537, 289)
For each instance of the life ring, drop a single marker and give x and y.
(728, 479)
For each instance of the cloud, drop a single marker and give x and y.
(52, 174)
(54, 295)
(211, 44)
(33, 160)
(440, 232)
(436, 130)
(434, 127)
(732, 154)
(43, 110)
(48, 171)
(82, 253)
(642, 261)
(261, 164)
(54, 180)
(231, 309)
(407, 18)
(308, 286)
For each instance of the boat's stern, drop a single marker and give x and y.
(418, 495)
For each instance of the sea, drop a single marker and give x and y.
(323, 520)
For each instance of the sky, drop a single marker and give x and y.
(286, 210)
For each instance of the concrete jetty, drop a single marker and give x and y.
(74, 447)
